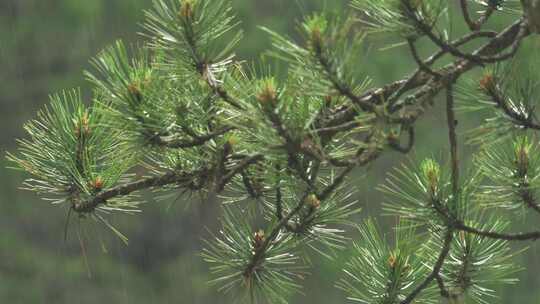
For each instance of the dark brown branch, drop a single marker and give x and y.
(460, 66)
(336, 129)
(248, 185)
(450, 73)
(338, 84)
(452, 138)
(427, 30)
(258, 256)
(436, 268)
(454, 223)
(527, 196)
(279, 201)
(433, 58)
(472, 24)
(519, 118)
(523, 32)
(476, 58)
(292, 146)
(335, 184)
(523, 236)
(221, 92)
(442, 288)
(465, 12)
(241, 166)
(421, 64)
(168, 178)
(219, 168)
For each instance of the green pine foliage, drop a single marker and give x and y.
(277, 151)
(393, 16)
(507, 86)
(512, 172)
(384, 273)
(71, 156)
(476, 264)
(417, 194)
(275, 274)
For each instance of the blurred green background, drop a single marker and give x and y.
(44, 46)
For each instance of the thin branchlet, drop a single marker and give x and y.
(448, 236)
(452, 138)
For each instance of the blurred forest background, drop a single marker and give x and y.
(44, 47)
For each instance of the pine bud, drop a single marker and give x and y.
(97, 184)
(316, 27)
(462, 236)
(232, 140)
(85, 122)
(393, 136)
(82, 126)
(521, 154)
(267, 94)
(258, 239)
(135, 92)
(186, 9)
(392, 260)
(313, 202)
(328, 99)
(432, 173)
(487, 82)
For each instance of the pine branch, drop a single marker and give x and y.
(465, 12)
(268, 96)
(478, 59)
(522, 236)
(442, 288)
(422, 66)
(435, 274)
(394, 143)
(237, 169)
(519, 118)
(501, 41)
(339, 85)
(405, 86)
(261, 250)
(449, 234)
(452, 122)
(169, 178)
(475, 25)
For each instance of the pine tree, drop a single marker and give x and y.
(278, 152)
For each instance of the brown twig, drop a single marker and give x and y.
(436, 268)
(394, 143)
(241, 166)
(168, 178)
(338, 84)
(522, 236)
(421, 64)
(518, 118)
(451, 122)
(465, 12)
